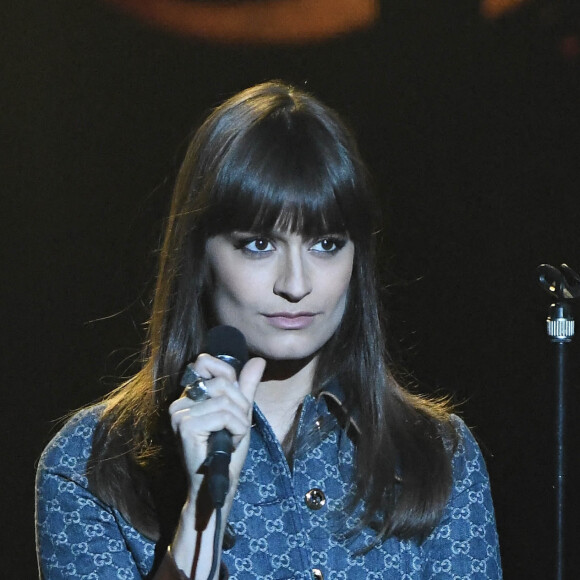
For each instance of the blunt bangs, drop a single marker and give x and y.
(288, 171)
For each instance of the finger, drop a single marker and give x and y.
(232, 402)
(189, 424)
(221, 405)
(217, 387)
(179, 404)
(205, 368)
(220, 387)
(209, 366)
(250, 377)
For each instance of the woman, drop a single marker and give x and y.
(337, 471)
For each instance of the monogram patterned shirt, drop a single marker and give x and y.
(287, 523)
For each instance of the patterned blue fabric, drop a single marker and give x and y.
(278, 534)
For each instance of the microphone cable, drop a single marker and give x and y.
(216, 543)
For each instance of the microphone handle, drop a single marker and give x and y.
(220, 448)
(219, 451)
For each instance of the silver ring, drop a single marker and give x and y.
(197, 390)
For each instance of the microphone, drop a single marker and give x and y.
(228, 344)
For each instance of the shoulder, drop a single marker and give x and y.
(466, 444)
(469, 466)
(465, 543)
(69, 450)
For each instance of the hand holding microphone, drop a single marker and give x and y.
(228, 345)
(213, 419)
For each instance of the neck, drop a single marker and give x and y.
(283, 388)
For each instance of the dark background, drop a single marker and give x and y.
(471, 129)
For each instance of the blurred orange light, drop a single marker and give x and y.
(255, 21)
(496, 8)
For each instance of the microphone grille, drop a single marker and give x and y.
(227, 341)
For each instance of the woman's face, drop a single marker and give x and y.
(286, 293)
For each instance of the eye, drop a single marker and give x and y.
(259, 245)
(254, 246)
(328, 245)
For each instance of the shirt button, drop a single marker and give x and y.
(317, 574)
(315, 499)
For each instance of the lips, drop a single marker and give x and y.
(291, 320)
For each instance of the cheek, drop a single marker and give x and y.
(233, 291)
(342, 281)
(341, 302)
(336, 289)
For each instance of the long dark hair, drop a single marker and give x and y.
(273, 156)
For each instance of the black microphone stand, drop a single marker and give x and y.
(564, 286)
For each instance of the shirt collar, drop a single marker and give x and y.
(334, 393)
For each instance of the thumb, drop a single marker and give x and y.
(250, 377)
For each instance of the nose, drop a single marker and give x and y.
(293, 281)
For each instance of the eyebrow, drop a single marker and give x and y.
(281, 234)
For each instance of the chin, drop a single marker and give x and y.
(288, 348)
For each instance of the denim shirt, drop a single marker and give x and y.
(286, 523)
